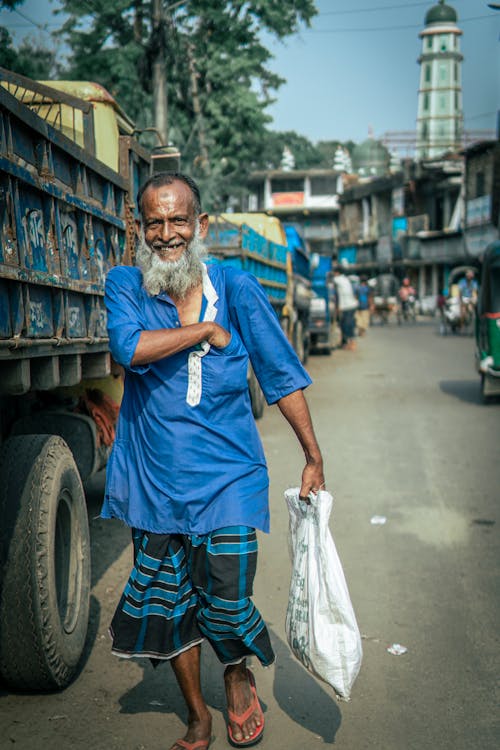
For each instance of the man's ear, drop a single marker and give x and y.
(203, 220)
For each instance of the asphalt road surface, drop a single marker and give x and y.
(405, 438)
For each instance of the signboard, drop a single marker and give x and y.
(478, 211)
(288, 199)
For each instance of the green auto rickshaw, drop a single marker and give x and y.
(488, 323)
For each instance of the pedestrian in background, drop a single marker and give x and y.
(363, 294)
(346, 308)
(187, 471)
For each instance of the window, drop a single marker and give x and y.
(323, 185)
(288, 185)
(442, 43)
(456, 71)
(426, 101)
(443, 73)
(429, 42)
(480, 182)
(427, 73)
(442, 103)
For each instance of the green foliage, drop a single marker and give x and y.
(10, 3)
(214, 44)
(31, 59)
(219, 79)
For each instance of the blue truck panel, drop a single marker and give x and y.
(63, 224)
(243, 247)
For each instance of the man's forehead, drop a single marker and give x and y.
(172, 195)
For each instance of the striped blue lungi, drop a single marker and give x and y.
(184, 588)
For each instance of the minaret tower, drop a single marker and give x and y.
(440, 115)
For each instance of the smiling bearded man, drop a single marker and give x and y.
(187, 472)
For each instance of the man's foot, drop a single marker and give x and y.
(197, 737)
(246, 720)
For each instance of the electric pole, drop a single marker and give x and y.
(160, 71)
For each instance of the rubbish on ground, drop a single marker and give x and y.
(378, 520)
(397, 649)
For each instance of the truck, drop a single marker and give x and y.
(322, 306)
(69, 167)
(257, 243)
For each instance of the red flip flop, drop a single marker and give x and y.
(240, 719)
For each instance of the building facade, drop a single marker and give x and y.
(482, 196)
(307, 199)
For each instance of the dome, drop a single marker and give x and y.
(371, 158)
(441, 13)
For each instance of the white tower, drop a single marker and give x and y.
(440, 115)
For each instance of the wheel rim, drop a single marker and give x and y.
(68, 563)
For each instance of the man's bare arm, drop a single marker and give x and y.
(296, 411)
(155, 345)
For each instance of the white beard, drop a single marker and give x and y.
(176, 277)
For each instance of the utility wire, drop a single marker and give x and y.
(30, 20)
(374, 9)
(383, 28)
(370, 10)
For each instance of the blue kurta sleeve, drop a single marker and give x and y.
(122, 296)
(276, 365)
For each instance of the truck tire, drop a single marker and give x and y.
(45, 563)
(256, 396)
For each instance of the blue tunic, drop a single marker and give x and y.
(187, 457)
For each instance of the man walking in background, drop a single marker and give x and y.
(346, 308)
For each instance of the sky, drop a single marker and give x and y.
(354, 72)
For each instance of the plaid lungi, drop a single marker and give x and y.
(184, 588)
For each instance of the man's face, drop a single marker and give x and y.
(169, 220)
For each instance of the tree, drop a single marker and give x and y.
(218, 76)
(31, 59)
(219, 80)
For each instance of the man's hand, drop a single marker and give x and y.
(218, 336)
(313, 480)
(154, 345)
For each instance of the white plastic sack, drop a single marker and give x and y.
(321, 627)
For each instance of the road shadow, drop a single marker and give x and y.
(303, 698)
(468, 391)
(108, 537)
(299, 695)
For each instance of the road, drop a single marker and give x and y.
(406, 437)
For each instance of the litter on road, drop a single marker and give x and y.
(397, 649)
